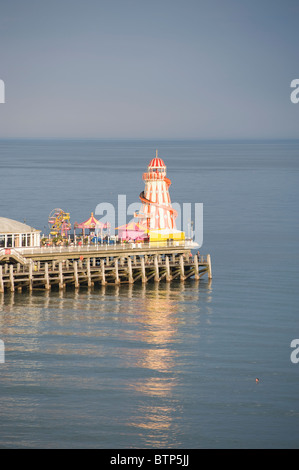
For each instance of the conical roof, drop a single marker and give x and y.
(156, 163)
(92, 222)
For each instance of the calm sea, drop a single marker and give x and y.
(158, 366)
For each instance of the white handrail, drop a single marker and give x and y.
(104, 247)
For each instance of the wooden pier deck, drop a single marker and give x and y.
(87, 266)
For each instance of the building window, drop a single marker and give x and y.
(2, 241)
(25, 239)
(16, 240)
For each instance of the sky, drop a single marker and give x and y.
(198, 69)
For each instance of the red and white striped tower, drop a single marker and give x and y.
(156, 212)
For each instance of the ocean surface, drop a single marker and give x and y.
(170, 366)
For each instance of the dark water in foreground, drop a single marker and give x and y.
(158, 366)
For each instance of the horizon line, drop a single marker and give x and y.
(180, 139)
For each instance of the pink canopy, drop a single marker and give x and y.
(131, 231)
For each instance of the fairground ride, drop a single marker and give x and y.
(59, 222)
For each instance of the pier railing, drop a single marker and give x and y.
(123, 262)
(104, 247)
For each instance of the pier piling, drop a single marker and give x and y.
(130, 271)
(61, 284)
(1, 279)
(182, 269)
(76, 278)
(116, 271)
(157, 277)
(103, 272)
(30, 286)
(168, 275)
(196, 273)
(47, 280)
(89, 283)
(11, 277)
(209, 266)
(143, 276)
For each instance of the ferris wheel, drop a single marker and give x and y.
(59, 222)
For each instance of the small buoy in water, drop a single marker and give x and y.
(257, 380)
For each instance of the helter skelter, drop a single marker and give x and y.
(157, 215)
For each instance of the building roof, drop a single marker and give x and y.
(13, 226)
(157, 163)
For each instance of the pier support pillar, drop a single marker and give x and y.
(116, 271)
(210, 266)
(130, 272)
(143, 276)
(182, 268)
(1, 280)
(168, 275)
(47, 280)
(157, 277)
(61, 285)
(11, 278)
(89, 283)
(196, 273)
(103, 272)
(76, 274)
(30, 277)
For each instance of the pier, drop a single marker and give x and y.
(153, 249)
(88, 266)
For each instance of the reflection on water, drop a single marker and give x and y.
(158, 335)
(128, 341)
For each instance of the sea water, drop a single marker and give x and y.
(161, 365)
